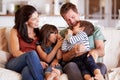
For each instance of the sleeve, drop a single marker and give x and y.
(64, 46)
(77, 38)
(98, 34)
(63, 32)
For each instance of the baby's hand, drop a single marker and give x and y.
(70, 31)
(79, 49)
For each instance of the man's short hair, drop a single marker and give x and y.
(66, 7)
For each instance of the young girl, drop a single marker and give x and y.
(49, 49)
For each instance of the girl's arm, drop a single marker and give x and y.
(48, 57)
(57, 59)
(14, 43)
(59, 54)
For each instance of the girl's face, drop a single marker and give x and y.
(53, 37)
(33, 20)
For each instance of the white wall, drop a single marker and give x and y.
(112, 47)
(8, 21)
(39, 4)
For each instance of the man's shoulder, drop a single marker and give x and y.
(97, 28)
(64, 29)
(62, 32)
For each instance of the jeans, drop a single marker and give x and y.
(73, 72)
(28, 65)
(49, 68)
(86, 64)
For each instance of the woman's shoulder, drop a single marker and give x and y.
(13, 30)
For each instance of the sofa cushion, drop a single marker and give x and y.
(3, 41)
(6, 74)
(4, 56)
(114, 74)
(7, 35)
(112, 47)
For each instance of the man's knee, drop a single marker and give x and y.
(70, 65)
(73, 72)
(103, 68)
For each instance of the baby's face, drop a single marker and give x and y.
(76, 28)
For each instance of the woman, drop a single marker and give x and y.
(23, 38)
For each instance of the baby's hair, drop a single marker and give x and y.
(88, 27)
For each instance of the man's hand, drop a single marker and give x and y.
(79, 49)
(94, 54)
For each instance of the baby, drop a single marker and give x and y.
(79, 35)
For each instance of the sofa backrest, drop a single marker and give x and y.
(112, 47)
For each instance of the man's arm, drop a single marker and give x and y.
(99, 40)
(67, 56)
(99, 48)
(74, 52)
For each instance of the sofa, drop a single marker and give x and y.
(5, 54)
(111, 58)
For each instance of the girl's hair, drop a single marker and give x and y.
(45, 32)
(66, 7)
(22, 15)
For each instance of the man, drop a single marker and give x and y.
(70, 14)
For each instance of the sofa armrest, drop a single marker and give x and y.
(4, 56)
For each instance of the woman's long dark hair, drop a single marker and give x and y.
(22, 15)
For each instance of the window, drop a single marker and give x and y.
(2, 7)
(115, 9)
(94, 9)
(102, 12)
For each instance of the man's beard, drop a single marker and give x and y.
(71, 26)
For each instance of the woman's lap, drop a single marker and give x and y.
(29, 60)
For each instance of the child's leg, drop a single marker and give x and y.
(86, 74)
(88, 77)
(54, 75)
(90, 63)
(49, 75)
(98, 75)
(58, 71)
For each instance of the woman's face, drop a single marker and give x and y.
(53, 37)
(33, 20)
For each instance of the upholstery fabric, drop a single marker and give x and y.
(4, 56)
(6, 74)
(3, 41)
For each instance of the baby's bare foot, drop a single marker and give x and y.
(99, 77)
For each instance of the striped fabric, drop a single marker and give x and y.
(79, 38)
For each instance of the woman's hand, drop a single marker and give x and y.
(44, 64)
